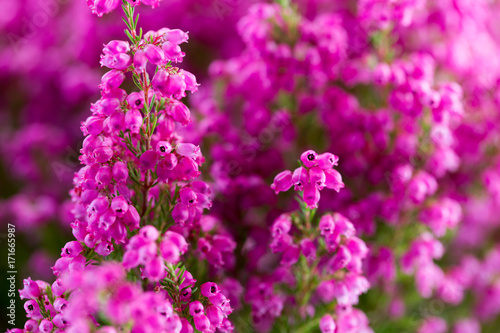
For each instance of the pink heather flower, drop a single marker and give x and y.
(175, 85)
(115, 47)
(280, 243)
(326, 324)
(215, 315)
(333, 180)
(327, 161)
(308, 249)
(112, 80)
(136, 100)
(165, 166)
(107, 219)
(155, 269)
(60, 304)
(31, 307)
(130, 259)
(109, 105)
(159, 81)
(219, 300)
(90, 241)
(311, 196)
(188, 150)
(134, 3)
(209, 289)
(148, 159)
(343, 225)
(133, 121)
(98, 205)
(31, 289)
(204, 245)
(172, 51)
(309, 158)
(173, 323)
(175, 36)
(187, 196)
(120, 61)
(120, 172)
(282, 182)
(149, 232)
(468, 325)
(226, 326)
(101, 7)
(442, 215)
(152, 3)
(357, 247)
(190, 80)
(57, 288)
(72, 249)
(290, 255)
(326, 225)
(177, 239)
(434, 325)
(93, 125)
(132, 218)
(104, 248)
(46, 326)
(341, 259)
(382, 74)
(202, 323)
(281, 226)
(224, 243)
(163, 148)
(169, 84)
(60, 321)
(119, 206)
(180, 112)
(140, 61)
(196, 308)
(103, 176)
(300, 178)
(116, 122)
(187, 168)
(154, 54)
(30, 326)
(180, 213)
(317, 177)
(170, 251)
(147, 251)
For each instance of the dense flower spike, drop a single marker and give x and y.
(336, 253)
(316, 174)
(126, 201)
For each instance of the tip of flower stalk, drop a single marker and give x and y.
(315, 173)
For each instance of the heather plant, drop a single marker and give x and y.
(396, 232)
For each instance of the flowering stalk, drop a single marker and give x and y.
(320, 274)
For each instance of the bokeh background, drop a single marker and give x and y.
(49, 73)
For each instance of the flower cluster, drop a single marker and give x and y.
(212, 315)
(101, 7)
(323, 254)
(316, 173)
(135, 201)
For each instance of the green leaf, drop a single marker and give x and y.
(129, 35)
(136, 20)
(136, 81)
(127, 23)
